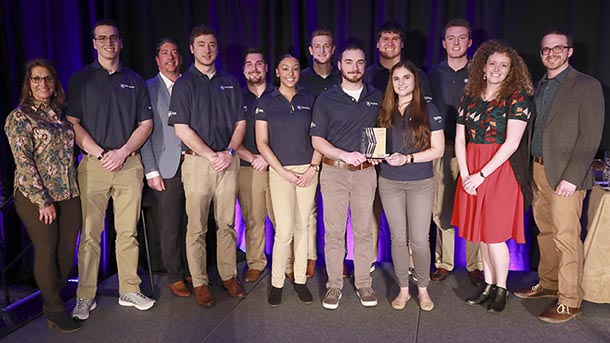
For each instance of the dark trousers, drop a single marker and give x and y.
(172, 228)
(54, 246)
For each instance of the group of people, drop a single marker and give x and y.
(462, 138)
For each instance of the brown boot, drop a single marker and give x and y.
(234, 288)
(203, 296)
(559, 313)
(536, 292)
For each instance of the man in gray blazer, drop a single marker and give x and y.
(566, 135)
(161, 158)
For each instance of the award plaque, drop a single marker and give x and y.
(374, 142)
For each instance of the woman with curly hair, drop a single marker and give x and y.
(46, 194)
(406, 185)
(489, 202)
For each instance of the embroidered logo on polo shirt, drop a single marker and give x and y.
(222, 88)
(466, 80)
(370, 103)
(299, 107)
(171, 114)
(123, 85)
(245, 108)
(259, 110)
(438, 119)
(312, 125)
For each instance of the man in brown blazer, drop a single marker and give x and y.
(566, 135)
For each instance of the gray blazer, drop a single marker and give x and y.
(161, 151)
(573, 130)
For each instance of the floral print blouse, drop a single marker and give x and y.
(486, 121)
(42, 143)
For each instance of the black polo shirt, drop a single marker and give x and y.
(109, 106)
(378, 76)
(314, 84)
(288, 126)
(400, 131)
(339, 118)
(210, 107)
(447, 90)
(249, 101)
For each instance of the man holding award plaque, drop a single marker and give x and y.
(347, 179)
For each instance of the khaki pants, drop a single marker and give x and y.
(255, 201)
(561, 250)
(97, 185)
(342, 189)
(202, 184)
(293, 207)
(446, 172)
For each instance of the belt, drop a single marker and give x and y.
(190, 152)
(87, 154)
(539, 160)
(343, 165)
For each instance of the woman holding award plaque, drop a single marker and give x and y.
(283, 117)
(490, 196)
(406, 186)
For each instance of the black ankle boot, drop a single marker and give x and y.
(62, 322)
(275, 296)
(498, 300)
(303, 293)
(482, 295)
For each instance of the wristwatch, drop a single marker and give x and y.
(315, 167)
(101, 155)
(231, 151)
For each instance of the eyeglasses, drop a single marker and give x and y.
(38, 79)
(557, 49)
(104, 39)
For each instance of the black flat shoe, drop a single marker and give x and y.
(482, 295)
(275, 296)
(498, 301)
(303, 293)
(62, 322)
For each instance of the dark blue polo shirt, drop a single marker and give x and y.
(210, 107)
(400, 131)
(249, 101)
(447, 89)
(378, 76)
(339, 118)
(312, 83)
(109, 106)
(288, 126)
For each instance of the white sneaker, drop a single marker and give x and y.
(137, 300)
(83, 307)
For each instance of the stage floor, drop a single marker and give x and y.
(251, 319)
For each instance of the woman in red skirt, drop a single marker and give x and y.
(489, 202)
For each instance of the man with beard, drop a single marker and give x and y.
(321, 76)
(108, 105)
(207, 114)
(566, 134)
(161, 157)
(254, 196)
(447, 80)
(347, 179)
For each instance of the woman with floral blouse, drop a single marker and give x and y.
(46, 192)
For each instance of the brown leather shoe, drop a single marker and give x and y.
(536, 292)
(311, 267)
(252, 275)
(439, 275)
(234, 288)
(203, 296)
(188, 279)
(179, 289)
(559, 313)
(476, 277)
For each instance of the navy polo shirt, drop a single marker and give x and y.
(288, 126)
(314, 84)
(378, 76)
(210, 107)
(447, 89)
(109, 106)
(339, 118)
(249, 101)
(400, 131)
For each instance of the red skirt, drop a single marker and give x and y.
(495, 213)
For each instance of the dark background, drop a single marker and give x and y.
(61, 31)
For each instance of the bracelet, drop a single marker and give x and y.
(315, 167)
(482, 175)
(411, 158)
